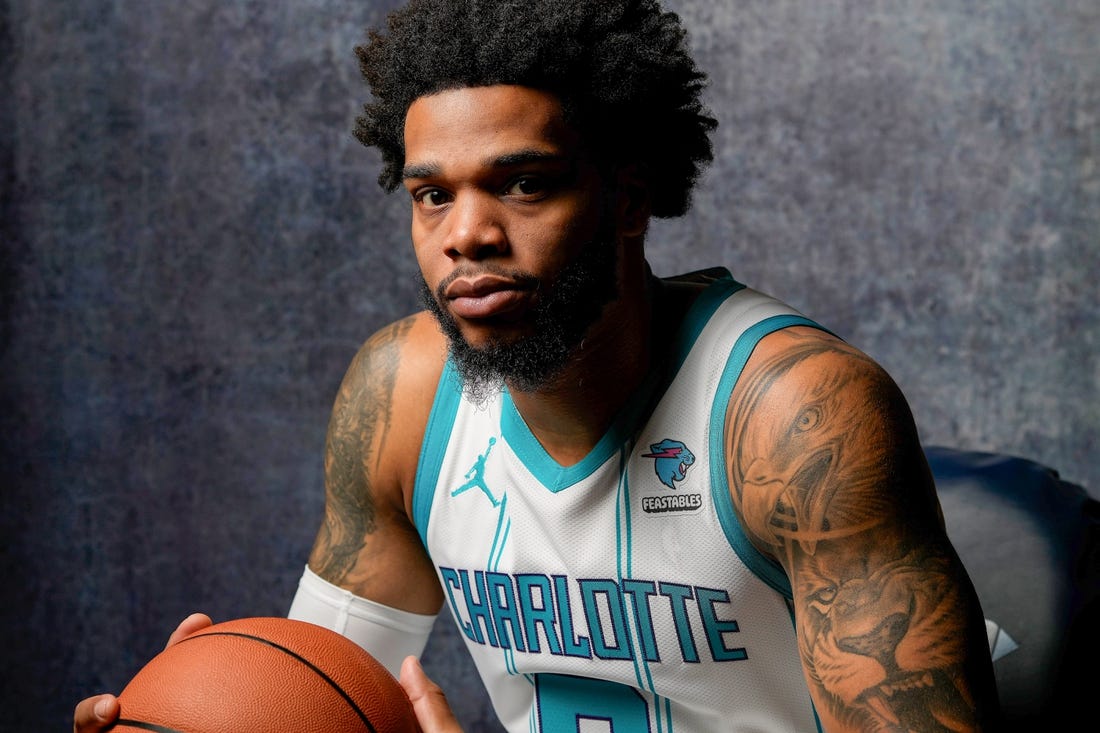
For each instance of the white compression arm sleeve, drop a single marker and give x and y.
(389, 634)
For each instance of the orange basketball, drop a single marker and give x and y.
(254, 675)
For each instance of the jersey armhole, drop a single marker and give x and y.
(441, 420)
(765, 568)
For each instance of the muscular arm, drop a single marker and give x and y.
(828, 477)
(367, 543)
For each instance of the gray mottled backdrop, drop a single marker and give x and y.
(194, 246)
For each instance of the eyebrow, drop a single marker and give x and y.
(507, 160)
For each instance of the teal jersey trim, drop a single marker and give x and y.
(547, 471)
(699, 315)
(541, 464)
(556, 477)
(437, 436)
(763, 567)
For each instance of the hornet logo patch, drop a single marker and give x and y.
(671, 461)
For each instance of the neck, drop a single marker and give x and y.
(570, 415)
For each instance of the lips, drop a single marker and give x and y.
(486, 296)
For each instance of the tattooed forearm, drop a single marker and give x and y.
(360, 420)
(824, 473)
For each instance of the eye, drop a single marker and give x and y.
(527, 186)
(823, 598)
(431, 198)
(808, 419)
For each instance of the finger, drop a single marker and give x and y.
(95, 714)
(188, 626)
(429, 703)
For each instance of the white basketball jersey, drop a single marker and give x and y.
(617, 595)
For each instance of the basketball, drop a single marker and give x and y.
(254, 675)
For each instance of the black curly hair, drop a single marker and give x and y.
(620, 68)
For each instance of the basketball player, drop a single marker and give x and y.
(696, 510)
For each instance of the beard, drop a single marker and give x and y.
(560, 318)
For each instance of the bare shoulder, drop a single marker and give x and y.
(384, 399)
(827, 476)
(810, 412)
(413, 345)
(399, 365)
(372, 446)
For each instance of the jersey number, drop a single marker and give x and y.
(580, 705)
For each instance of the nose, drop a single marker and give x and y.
(475, 230)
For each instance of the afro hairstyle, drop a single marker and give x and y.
(620, 68)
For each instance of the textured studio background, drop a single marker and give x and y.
(194, 246)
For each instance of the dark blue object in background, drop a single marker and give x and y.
(1031, 544)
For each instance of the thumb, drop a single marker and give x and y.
(188, 626)
(428, 701)
(95, 714)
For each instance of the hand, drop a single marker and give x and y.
(429, 703)
(99, 712)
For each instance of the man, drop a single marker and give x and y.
(696, 510)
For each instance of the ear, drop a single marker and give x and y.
(632, 206)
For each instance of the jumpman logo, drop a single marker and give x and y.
(476, 475)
